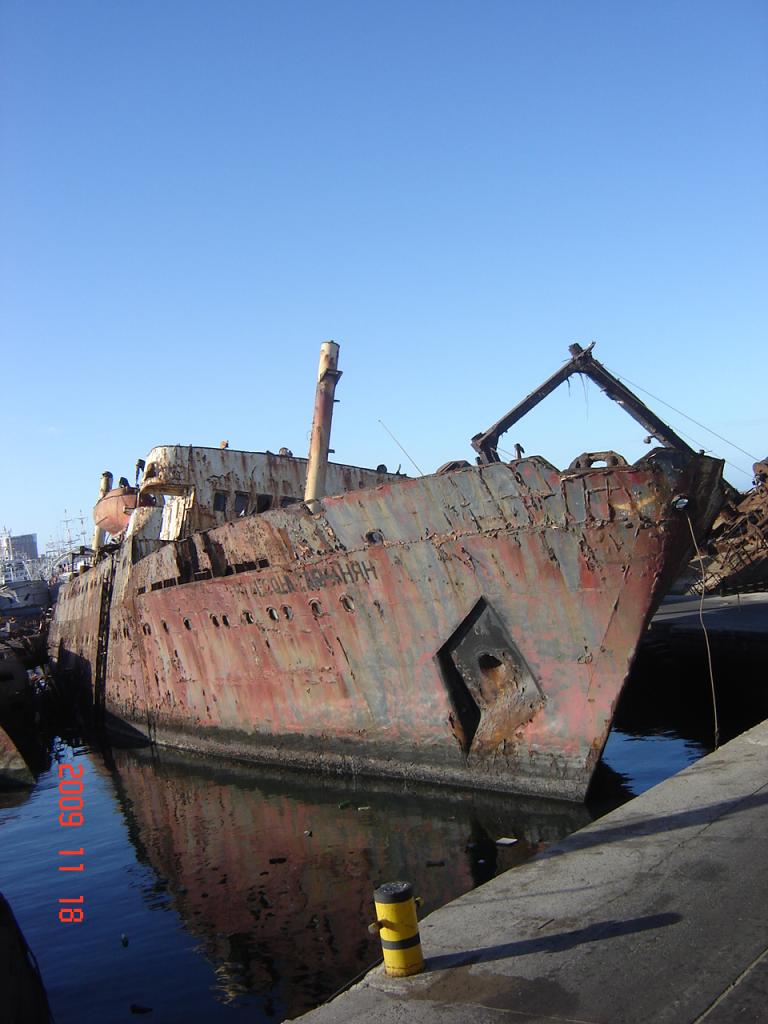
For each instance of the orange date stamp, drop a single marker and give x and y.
(71, 815)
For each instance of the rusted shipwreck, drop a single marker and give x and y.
(472, 627)
(735, 558)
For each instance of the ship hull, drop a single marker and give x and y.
(473, 628)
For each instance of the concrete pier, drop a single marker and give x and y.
(657, 912)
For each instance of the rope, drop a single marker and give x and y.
(706, 635)
(681, 413)
(400, 446)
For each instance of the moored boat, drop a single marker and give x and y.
(24, 999)
(472, 627)
(21, 682)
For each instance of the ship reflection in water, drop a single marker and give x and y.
(275, 877)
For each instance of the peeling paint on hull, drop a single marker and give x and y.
(474, 627)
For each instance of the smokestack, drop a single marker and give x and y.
(327, 378)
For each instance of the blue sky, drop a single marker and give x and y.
(194, 195)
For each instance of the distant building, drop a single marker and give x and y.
(23, 546)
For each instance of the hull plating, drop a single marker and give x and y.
(472, 628)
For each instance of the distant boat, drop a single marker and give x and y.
(22, 594)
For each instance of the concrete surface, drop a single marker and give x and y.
(656, 912)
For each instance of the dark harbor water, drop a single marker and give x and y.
(213, 892)
(216, 893)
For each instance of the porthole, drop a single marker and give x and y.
(273, 614)
(287, 611)
(248, 618)
(214, 620)
(165, 625)
(147, 629)
(317, 608)
(225, 621)
(187, 624)
(347, 602)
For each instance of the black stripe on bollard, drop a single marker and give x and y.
(401, 943)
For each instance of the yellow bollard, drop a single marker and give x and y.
(398, 929)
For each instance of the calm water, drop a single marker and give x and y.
(216, 893)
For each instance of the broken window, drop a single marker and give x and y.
(220, 501)
(263, 502)
(288, 500)
(241, 503)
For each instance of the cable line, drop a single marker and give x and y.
(681, 413)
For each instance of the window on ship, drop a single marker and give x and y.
(220, 501)
(241, 503)
(263, 503)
